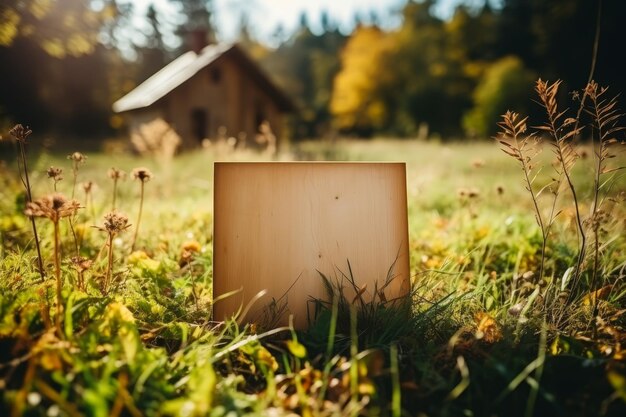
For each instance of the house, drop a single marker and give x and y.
(212, 92)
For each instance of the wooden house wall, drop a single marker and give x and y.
(230, 99)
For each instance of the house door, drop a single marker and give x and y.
(199, 124)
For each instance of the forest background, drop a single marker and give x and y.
(64, 62)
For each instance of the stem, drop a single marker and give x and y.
(57, 272)
(138, 218)
(76, 245)
(107, 278)
(29, 198)
(544, 235)
(75, 172)
(565, 172)
(114, 192)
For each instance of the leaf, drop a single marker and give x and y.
(618, 382)
(297, 349)
(566, 277)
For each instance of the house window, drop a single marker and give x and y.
(199, 119)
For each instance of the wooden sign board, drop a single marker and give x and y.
(277, 224)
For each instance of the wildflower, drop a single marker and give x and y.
(53, 207)
(115, 223)
(142, 174)
(116, 174)
(55, 173)
(88, 186)
(77, 158)
(189, 250)
(20, 132)
(500, 189)
(473, 193)
(80, 263)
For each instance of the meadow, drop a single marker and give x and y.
(492, 327)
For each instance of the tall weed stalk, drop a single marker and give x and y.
(21, 134)
(562, 130)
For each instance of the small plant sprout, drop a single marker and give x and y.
(143, 175)
(77, 159)
(116, 175)
(21, 133)
(56, 175)
(114, 223)
(54, 207)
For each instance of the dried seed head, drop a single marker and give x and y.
(88, 186)
(77, 158)
(116, 174)
(115, 223)
(500, 189)
(473, 193)
(592, 90)
(53, 207)
(55, 173)
(20, 132)
(142, 174)
(81, 264)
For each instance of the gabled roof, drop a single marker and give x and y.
(186, 66)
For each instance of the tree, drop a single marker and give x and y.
(356, 104)
(195, 17)
(61, 77)
(506, 84)
(39, 21)
(304, 66)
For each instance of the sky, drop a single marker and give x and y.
(264, 16)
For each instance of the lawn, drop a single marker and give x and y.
(487, 330)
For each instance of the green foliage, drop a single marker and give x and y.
(467, 340)
(504, 85)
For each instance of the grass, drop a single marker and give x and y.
(483, 334)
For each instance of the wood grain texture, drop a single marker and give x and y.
(277, 224)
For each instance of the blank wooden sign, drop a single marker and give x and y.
(277, 224)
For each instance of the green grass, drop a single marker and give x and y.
(480, 336)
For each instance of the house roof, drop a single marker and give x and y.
(186, 66)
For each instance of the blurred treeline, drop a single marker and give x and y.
(63, 63)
